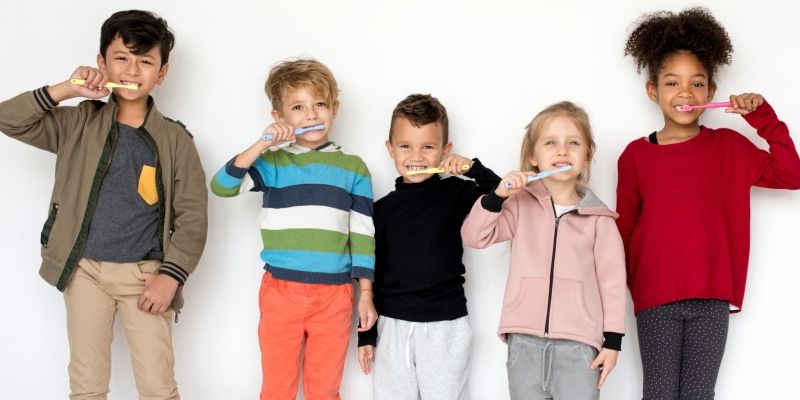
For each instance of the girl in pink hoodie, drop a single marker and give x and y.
(564, 308)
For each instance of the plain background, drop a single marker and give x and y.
(494, 65)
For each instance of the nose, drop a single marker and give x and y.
(562, 148)
(132, 68)
(685, 91)
(311, 113)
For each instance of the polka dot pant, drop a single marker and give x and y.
(682, 345)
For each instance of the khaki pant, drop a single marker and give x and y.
(93, 296)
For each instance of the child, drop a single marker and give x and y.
(683, 198)
(424, 343)
(127, 221)
(316, 225)
(565, 295)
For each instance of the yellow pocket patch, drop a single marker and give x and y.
(147, 185)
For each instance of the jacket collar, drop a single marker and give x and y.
(153, 120)
(590, 204)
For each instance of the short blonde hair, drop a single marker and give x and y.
(533, 130)
(297, 73)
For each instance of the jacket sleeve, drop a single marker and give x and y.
(780, 167)
(609, 256)
(629, 206)
(189, 214)
(33, 118)
(485, 181)
(362, 229)
(487, 224)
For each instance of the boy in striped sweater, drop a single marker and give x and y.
(316, 225)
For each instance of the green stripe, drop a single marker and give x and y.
(337, 159)
(305, 239)
(362, 244)
(223, 191)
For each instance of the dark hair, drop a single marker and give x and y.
(139, 30)
(659, 35)
(420, 110)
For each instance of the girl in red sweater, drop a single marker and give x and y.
(683, 199)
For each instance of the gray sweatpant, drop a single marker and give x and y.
(557, 369)
(422, 360)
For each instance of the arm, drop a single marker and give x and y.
(486, 181)
(362, 245)
(629, 207)
(493, 219)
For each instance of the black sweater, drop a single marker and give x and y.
(418, 250)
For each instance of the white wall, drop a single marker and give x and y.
(493, 65)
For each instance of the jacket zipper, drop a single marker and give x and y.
(553, 267)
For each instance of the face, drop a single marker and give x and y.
(301, 109)
(415, 148)
(122, 66)
(682, 80)
(560, 143)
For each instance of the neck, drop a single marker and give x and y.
(564, 193)
(132, 113)
(675, 133)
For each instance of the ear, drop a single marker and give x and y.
(532, 161)
(101, 63)
(652, 90)
(276, 115)
(390, 149)
(446, 149)
(162, 73)
(335, 109)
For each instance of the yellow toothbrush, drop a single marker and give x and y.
(433, 170)
(109, 85)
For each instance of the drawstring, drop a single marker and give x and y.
(546, 371)
(408, 345)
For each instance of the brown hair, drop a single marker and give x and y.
(420, 110)
(296, 73)
(534, 129)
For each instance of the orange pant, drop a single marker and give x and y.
(291, 312)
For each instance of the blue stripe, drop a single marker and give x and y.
(226, 180)
(362, 205)
(318, 174)
(307, 261)
(364, 261)
(307, 195)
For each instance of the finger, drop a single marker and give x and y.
(140, 302)
(596, 363)
(602, 380)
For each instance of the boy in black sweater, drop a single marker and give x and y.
(424, 345)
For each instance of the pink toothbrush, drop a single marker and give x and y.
(687, 107)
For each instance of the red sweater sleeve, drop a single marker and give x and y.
(629, 204)
(780, 167)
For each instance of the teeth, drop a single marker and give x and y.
(415, 168)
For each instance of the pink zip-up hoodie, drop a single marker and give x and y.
(567, 275)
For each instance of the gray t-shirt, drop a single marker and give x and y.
(124, 226)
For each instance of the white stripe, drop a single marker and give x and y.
(247, 184)
(361, 224)
(305, 217)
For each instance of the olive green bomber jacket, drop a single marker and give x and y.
(83, 138)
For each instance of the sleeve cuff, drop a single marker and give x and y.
(492, 202)
(174, 271)
(368, 338)
(362, 272)
(235, 171)
(613, 340)
(761, 116)
(475, 170)
(43, 98)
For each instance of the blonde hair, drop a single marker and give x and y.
(298, 73)
(534, 129)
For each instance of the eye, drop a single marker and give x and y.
(404, 146)
(698, 84)
(429, 147)
(671, 83)
(120, 58)
(575, 142)
(297, 107)
(549, 142)
(148, 62)
(321, 104)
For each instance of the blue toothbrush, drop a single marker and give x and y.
(268, 136)
(543, 174)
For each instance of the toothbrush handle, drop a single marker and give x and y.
(298, 131)
(541, 175)
(718, 104)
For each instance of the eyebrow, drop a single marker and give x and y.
(670, 74)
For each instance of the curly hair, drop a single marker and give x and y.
(659, 35)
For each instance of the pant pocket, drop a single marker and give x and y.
(147, 185)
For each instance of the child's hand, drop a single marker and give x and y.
(606, 361)
(516, 180)
(744, 103)
(367, 315)
(366, 355)
(454, 164)
(281, 133)
(158, 293)
(94, 88)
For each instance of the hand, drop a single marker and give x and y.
(367, 315)
(159, 290)
(94, 88)
(281, 133)
(366, 355)
(517, 179)
(454, 164)
(744, 103)
(606, 361)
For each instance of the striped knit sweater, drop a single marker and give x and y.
(316, 216)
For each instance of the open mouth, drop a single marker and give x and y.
(416, 167)
(137, 84)
(680, 107)
(559, 164)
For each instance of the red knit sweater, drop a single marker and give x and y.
(684, 209)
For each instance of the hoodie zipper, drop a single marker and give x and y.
(553, 266)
